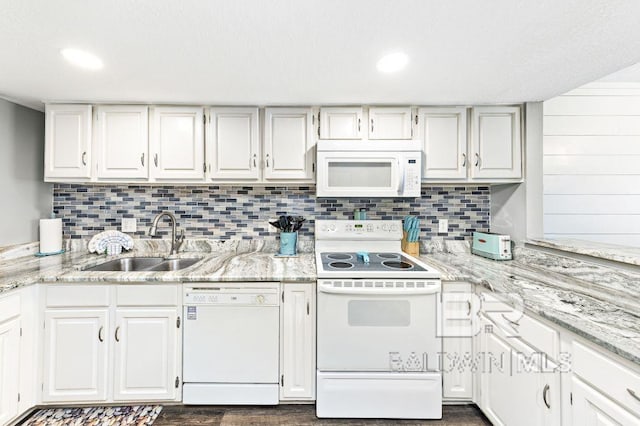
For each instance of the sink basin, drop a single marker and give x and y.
(173, 265)
(127, 264)
(137, 264)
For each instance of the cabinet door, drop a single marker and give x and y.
(341, 123)
(591, 408)
(177, 143)
(122, 142)
(288, 144)
(457, 330)
(145, 348)
(515, 387)
(496, 143)
(390, 123)
(444, 135)
(67, 152)
(298, 360)
(9, 369)
(75, 355)
(233, 148)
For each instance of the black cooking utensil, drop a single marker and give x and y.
(283, 223)
(276, 225)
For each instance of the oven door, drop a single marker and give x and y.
(384, 328)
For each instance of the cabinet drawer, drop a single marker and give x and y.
(533, 332)
(9, 307)
(77, 295)
(144, 295)
(608, 376)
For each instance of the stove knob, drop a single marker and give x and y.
(385, 227)
(259, 299)
(332, 228)
(394, 228)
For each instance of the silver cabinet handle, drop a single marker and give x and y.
(358, 125)
(142, 159)
(267, 160)
(633, 394)
(313, 167)
(254, 160)
(545, 392)
(477, 159)
(372, 125)
(117, 336)
(84, 158)
(307, 307)
(100, 333)
(464, 160)
(155, 159)
(468, 308)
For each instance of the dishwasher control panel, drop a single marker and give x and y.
(231, 296)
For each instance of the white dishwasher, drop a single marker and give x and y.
(231, 341)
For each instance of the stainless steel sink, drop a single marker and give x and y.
(137, 264)
(173, 264)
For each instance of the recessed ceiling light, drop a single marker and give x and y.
(82, 59)
(393, 62)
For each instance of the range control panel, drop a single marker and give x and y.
(358, 229)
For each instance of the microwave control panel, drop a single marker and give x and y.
(412, 176)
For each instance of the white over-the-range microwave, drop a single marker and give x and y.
(369, 168)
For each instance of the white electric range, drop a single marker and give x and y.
(377, 342)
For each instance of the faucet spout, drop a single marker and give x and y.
(176, 241)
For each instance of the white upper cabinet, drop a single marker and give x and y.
(67, 141)
(177, 143)
(233, 148)
(390, 123)
(496, 143)
(341, 123)
(288, 144)
(122, 142)
(444, 135)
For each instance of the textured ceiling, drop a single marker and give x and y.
(313, 52)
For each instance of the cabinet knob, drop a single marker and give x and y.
(84, 158)
(267, 160)
(155, 159)
(142, 159)
(477, 159)
(117, 334)
(464, 160)
(100, 338)
(372, 125)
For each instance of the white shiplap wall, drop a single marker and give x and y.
(592, 164)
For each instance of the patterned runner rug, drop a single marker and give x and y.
(140, 415)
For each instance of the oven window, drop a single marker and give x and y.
(359, 174)
(379, 313)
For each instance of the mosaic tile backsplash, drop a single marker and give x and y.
(242, 212)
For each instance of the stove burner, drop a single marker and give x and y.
(341, 265)
(338, 256)
(388, 256)
(397, 264)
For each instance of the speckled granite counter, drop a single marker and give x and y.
(596, 302)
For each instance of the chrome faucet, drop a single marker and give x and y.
(176, 242)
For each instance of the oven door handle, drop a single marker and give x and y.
(362, 291)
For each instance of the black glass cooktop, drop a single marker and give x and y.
(372, 261)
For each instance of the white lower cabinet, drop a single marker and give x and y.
(145, 354)
(457, 330)
(128, 349)
(9, 358)
(592, 408)
(298, 342)
(518, 385)
(75, 355)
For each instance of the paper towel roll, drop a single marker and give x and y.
(50, 235)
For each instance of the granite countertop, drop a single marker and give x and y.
(616, 253)
(228, 260)
(599, 303)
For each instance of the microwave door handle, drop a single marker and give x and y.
(401, 180)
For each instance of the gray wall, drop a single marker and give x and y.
(25, 197)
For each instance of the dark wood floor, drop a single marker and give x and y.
(453, 415)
